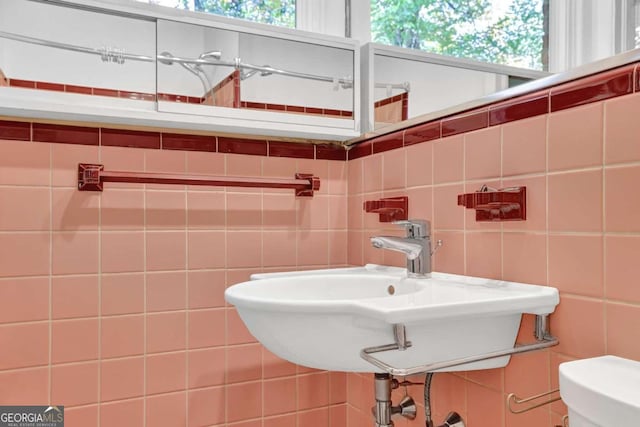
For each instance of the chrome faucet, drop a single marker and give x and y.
(416, 246)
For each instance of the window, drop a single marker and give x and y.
(275, 12)
(509, 32)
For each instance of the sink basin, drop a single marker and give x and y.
(324, 318)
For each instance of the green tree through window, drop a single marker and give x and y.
(275, 12)
(507, 32)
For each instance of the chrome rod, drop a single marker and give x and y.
(406, 86)
(103, 52)
(366, 354)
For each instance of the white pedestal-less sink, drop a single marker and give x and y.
(325, 318)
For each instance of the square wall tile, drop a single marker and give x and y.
(74, 210)
(75, 384)
(450, 256)
(74, 340)
(166, 250)
(122, 209)
(484, 255)
(167, 410)
(622, 129)
(482, 150)
(206, 367)
(244, 363)
(121, 413)
(622, 202)
(166, 372)
(249, 392)
(578, 323)
(448, 159)
(206, 406)
(24, 385)
(622, 323)
(524, 146)
(244, 249)
(536, 204)
(279, 248)
(419, 161)
(206, 289)
(122, 251)
(576, 264)
(525, 258)
(447, 214)
(575, 137)
(206, 209)
(575, 201)
(24, 254)
(165, 210)
(122, 336)
(166, 291)
(394, 169)
(24, 163)
(29, 344)
(75, 253)
(206, 249)
(277, 395)
(201, 332)
(75, 296)
(25, 209)
(372, 173)
(24, 300)
(622, 268)
(166, 332)
(122, 294)
(313, 248)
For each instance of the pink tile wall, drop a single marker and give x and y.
(581, 236)
(112, 303)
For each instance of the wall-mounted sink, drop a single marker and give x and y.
(324, 318)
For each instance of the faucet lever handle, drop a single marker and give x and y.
(416, 227)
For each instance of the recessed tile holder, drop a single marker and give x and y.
(505, 204)
(390, 209)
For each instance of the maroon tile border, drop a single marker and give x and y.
(295, 109)
(388, 142)
(50, 86)
(175, 141)
(527, 106)
(331, 152)
(466, 122)
(291, 149)
(63, 134)
(598, 87)
(422, 133)
(15, 130)
(593, 88)
(252, 147)
(362, 149)
(78, 89)
(129, 138)
(22, 83)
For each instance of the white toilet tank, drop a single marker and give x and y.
(601, 392)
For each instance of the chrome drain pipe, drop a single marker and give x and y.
(384, 410)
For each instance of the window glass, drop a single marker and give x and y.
(275, 12)
(509, 32)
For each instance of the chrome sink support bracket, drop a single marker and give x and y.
(543, 340)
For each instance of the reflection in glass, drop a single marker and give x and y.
(56, 48)
(213, 67)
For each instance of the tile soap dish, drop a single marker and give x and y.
(505, 204)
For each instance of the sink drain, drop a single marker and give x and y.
(391, 290)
